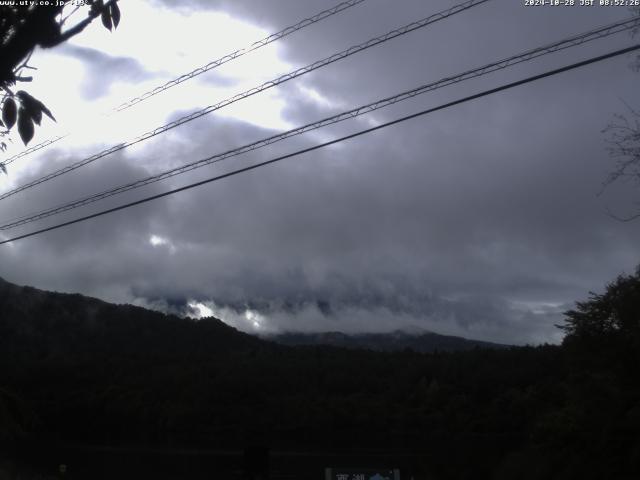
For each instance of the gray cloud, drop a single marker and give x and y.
(481, 220)
(103, 70)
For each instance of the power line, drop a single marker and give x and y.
(34, 148)
(238, 53)
(528, 55)
(332, 142)
(271, 83)
(205, 68)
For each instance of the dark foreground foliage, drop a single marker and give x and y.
(24, 26)
(75, 370)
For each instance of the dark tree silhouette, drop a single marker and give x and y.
(78, 371)
(615, 313)
(22, 29)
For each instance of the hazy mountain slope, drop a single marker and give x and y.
(426, 342)
(40, 324)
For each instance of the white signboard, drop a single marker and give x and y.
(361, 474)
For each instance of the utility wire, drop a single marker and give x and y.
(271, 83)
(205, 68)
(528, 55)
(34, 148)
(332, 142)
(238, 53)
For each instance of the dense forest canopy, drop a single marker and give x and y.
(78, 370)
(614, 313)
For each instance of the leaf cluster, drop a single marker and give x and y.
(23, 27)
(28, 114)
(109, 14)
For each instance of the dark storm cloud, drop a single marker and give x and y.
(481, 220)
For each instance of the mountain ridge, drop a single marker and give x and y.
(79, 371)
(34, 320)
(424, 342)
(418, 340)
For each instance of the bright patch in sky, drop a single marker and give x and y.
(195, 39)
(254, 318)
(158, 241)
(317, 97)
(200, 309)
(247, 321)
(172, 43)
(539, 307)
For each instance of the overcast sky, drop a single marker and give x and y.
(481, 220)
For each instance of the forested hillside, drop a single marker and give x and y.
(423, 342)
(80, 371)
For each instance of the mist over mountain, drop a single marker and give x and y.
(42, 324)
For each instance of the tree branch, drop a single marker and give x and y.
(79, 27)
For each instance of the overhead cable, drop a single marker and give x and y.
(205, 68)
(326, 144)
(272, 83)
(528, 55)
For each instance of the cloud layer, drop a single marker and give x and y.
(481, 220)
